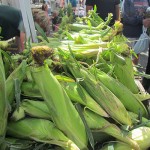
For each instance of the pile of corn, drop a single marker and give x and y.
(73, 93)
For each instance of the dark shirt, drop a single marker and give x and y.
(104, 7)
(133, 12)
(10, 21)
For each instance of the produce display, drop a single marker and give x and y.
(73, 91)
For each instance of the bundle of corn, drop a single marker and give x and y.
(98, 123)
(102, 95)
(129, 100)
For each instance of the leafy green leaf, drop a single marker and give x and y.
(88, 131)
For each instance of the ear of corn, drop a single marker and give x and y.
(40, 130)
(37, 109)
(102, 95)
(141, 135)
(18, 114)
(18, 74)
(125, 75)
(64, 115)
(4, 45)
(129, 100)
(98, 123)
(84, 98)
(3, 101)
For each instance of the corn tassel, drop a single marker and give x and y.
(40, 130)
(64, 115)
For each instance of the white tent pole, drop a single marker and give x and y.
(31, 21)
(28, 19)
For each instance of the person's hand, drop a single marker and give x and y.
(146, 22)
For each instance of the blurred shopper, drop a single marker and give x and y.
(104, 7)
(11, 23)
(133, 12)
(42, 19)
(73, 3)
(145, 81)
(45, 8)
(55, 21)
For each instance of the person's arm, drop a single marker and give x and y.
(22, 37)
(146, 22)
(117, 8)
(22, 40)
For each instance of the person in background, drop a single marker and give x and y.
(73, 3)
(104, 7)
(145, 81)
(48, 3)
(45, 8)
(55, 21)
(12, 25)
(41, 18)
(133, 12)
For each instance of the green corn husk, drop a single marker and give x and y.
(18, 74)
(141, 135)
(98, 123)
(64, 115)
(116, 146)
(3, 101)
(136, 119)
(83, 97)
(125, 74)
(30, 89)
(36, 109)
(40, 130)
(4, 45)
(129, 100)
(102, 95)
